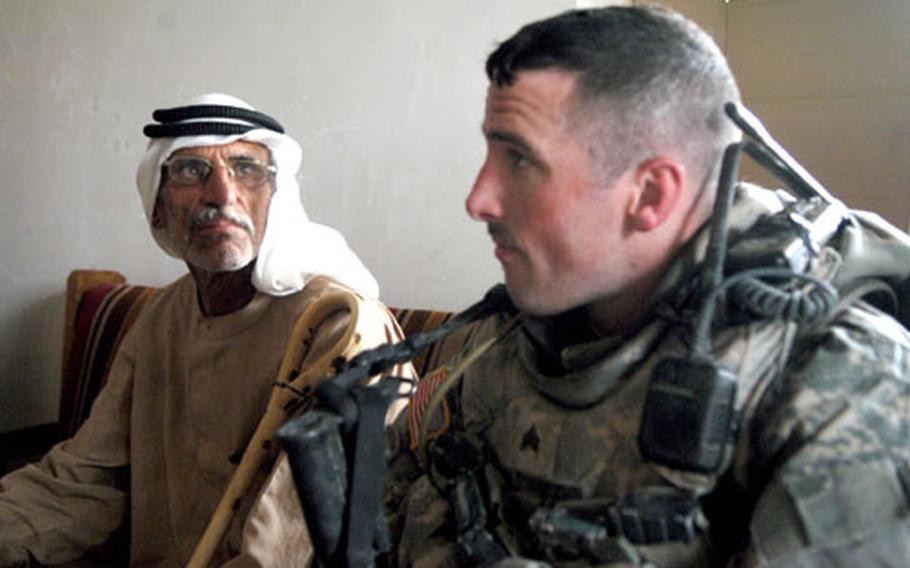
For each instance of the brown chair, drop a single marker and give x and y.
(100, 309)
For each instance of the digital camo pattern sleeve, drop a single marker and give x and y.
(419, 518)
(829, 450)
(74, 498)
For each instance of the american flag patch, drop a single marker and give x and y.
(440, 419)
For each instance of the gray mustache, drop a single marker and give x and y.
(211, 213)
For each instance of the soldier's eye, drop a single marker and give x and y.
(517, 160)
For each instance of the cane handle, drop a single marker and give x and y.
(282, 402)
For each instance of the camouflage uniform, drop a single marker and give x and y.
(818, 474)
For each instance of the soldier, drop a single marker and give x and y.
(577, 433)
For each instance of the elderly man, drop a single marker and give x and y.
(610, 421)
(194, 374)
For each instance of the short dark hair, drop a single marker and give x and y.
(649, 80)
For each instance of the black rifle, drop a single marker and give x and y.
(337, 450)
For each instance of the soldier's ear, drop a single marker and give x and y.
(658, 188)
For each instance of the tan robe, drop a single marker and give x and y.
(184, 396)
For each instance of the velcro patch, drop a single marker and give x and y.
(441, 418)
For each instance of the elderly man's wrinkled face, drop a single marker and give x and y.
(214, 202)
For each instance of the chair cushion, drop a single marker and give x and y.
(419, 321)
(105, 314)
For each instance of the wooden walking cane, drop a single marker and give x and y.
(367, 319)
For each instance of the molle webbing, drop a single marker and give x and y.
(642, 518)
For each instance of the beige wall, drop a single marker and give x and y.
(831, 81)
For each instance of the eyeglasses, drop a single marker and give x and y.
(195, 170)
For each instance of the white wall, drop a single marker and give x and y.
(385, 97)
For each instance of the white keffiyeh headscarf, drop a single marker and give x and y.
(293, 249)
